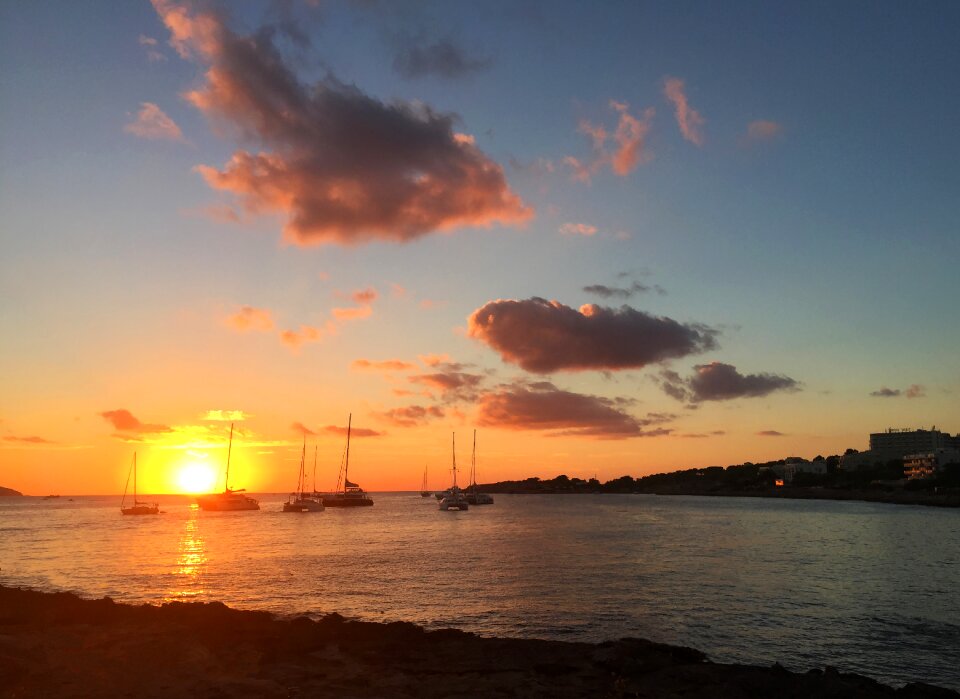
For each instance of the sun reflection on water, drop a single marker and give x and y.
(191, 560)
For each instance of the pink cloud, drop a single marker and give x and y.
(341, 167)
(545, 336)
(688, 119)
(584, 229)
(152, 123)
(306, 334)
(763, 130)
(630, 136)
(302, 429)
(352, 313)
(27, 440)
(124, 421)
(249, 318)
(385, 365)
(543, 406)
(354, 431)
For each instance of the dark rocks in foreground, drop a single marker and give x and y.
(57, 645)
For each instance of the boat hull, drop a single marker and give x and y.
(227, 502)
(141, 510)
(303, 505)
(334, 501)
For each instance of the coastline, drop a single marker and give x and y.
(59, 645)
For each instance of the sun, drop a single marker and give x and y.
(196, 478)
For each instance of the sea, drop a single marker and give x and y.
(863, 587)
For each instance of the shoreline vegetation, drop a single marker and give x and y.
(879, 484)
(59, 645)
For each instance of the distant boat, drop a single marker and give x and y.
(300, 501)
(138, 508)
(424, 493)
(351, 494)
(454, 499)
(229, 500)
(474, 496)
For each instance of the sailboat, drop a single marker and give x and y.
(300, 501)
(351, 494)
(138, 508)
(230, 500)
(424, 493)
(474, 496)
(454, 499)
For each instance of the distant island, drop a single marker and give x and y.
(9, 492)
(792, 477)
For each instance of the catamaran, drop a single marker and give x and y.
(351, 494)
(454, 499)
(138, 508)
(300, 501)
(424, 493)
(230, 500)
(474, 496)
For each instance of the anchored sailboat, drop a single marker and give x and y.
(454, 499)
(474, 496)
(424, 493)
(229, 500)
(351, 494)
(300, 501)
(138, 508)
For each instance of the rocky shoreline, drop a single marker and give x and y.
(58, 645)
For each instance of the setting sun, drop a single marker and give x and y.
(196, 478)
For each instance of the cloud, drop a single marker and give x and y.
(433, 359)
(249, 318)
(630, 138)
(763, 130)
(151, 122)
(363, 298)
(442, 58)
(584, 229)
(150, 46)
(294, 339)
(226, 416)
(27, 440)
(913, 391)
(718, 381)
(124, 421)
(451, 383)
(354, 431)
(916, 391)
(688, 119)
(302, 429)
(543, 406)
(341, 166)
(885, 392)
(544, 336)
(385, 365)
(770, 433)
(411, 415)
(609, 292)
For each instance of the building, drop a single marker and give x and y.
(899, 443)
(926, 465)
(787, 471)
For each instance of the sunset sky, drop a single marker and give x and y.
(614, 239)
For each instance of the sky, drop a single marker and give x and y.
(612, 240)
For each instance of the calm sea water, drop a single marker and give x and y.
(863, 587)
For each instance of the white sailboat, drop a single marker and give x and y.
(350, 494)
(230, 500)
(138, 508)
(424, 492)
(454, 499)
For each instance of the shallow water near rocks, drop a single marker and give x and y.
(863, 587)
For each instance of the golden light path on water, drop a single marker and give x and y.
(863, 587)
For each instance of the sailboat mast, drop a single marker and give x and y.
(314, 468)
(226, 482)
(473, 461)
(134, 478)
(303, 456)
(454, 449)
(346, 465)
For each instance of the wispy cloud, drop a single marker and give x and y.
(442, 58)
(763, 130)
(913, 391)
(341, 166)
(386, 365)
(152, 123)
(629, 137)
(124, 421)
(248, 318)
(584, 229)
(718, 381)
(225, 416)
(151, 46)
(688, 119)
